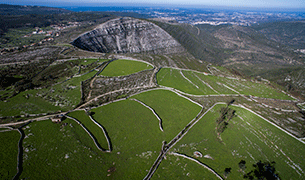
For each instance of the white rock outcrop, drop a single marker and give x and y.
(128, 35)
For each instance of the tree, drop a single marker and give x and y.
(242, 165)
(263, 171)
(227, 172)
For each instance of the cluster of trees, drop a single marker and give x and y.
(260, 171)
(226, 114)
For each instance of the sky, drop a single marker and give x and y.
(194, 3)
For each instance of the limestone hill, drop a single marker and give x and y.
(128, 35)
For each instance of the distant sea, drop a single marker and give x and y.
(106, 8)
(198, 9)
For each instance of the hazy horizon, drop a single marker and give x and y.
(234, 4)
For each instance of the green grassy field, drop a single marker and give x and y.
(15, 37)
(68, 94)
(255, 89)
(135, 136)
(19, 104)
(93, 128)
(61, 152)
(223, 85)
(62, 96)
(175, 111)
(174, 167)
(215, 82)
(193, 76)
(123, 67)
(65, 150)
(172, 78)
(89, 61)
(134, 130)
(8, 154)
(286, 151)
(251, 139)
(243, 87)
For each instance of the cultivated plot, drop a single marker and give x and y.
(225, 85)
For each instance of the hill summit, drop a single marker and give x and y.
(128, 35)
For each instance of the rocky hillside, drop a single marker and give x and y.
(128, 35)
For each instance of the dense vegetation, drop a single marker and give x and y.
(287, 33)
(6, 9)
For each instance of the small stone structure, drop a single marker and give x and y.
(197, 154)
(56, 119)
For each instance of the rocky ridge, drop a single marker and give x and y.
(128, 35)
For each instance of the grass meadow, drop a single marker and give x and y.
(197, 84)
(247, 137)
(20, 104)
(135, 136)
(123, 67)
(91, 126)
(66, 151)
(172, 78)
(63, 96)
(8, 154)
(175, 111)
(61, 152)
(175, 167)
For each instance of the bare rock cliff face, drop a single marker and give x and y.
(128, 35)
